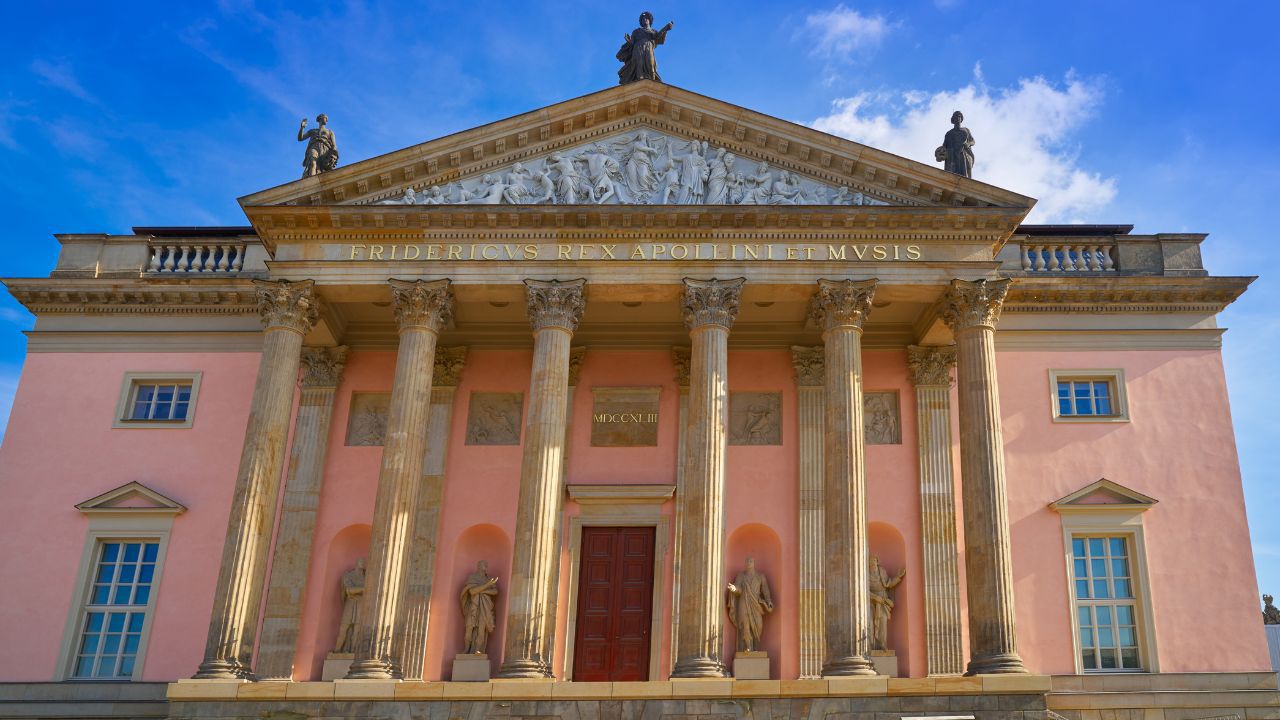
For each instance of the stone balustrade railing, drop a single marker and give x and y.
(1068, 257)
(196, 258)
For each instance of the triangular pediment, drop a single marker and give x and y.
(1103, 495)
(597, 142)
(133, 497)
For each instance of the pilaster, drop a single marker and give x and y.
(810, 382)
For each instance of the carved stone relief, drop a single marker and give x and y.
(638, 168)
(755, 418)
(494, 418)
(367, 421)
(881, 421)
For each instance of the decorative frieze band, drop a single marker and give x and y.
(974, 303)
(555, 303)
(287, 304)
(841, 303)
(422, 303)
(711, 302)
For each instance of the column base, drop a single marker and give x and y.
(372, 669)
(525, 669)
(1000, 664)
(223, 670)
(848, 666)
(699, 667)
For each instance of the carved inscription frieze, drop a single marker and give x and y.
(624, 416)
(494, 418)
(367, 421)
(881, 420)
(755, 418)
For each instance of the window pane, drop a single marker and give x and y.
(1099, 568)
(122, 595)
(110, 551)
(1064, 407)
(1085, 615)
(1129, 658)
(94, 623)
(127, 571)
(164, 393)
(1084, 406)
(1064, 389)
(1124, 589)
(1128, 638)
(141, 411)
(142, 595)
(1106, 638)
(1108, 659)
(84, 667)
(150, 551)
(1120, 567)
(146, 572)
(135, 622)
(90, 644)
(1082, 589)
(184, 393)
(1104, 615)
(1081, 390)
(1124, 615)
(126, 666)
(1104, 406)
(1077, 547)
(1081, 569)
(101, 594)
(106, 667)
(179, 412)
(1086, 638)
(105, 573)
(1100, 590)
(1102, 389)
(1096, 546)
(111, 644)
(131, 644)
(145, 393)
(1088, 661)
(1118, 547)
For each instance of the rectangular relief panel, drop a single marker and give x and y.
(367, 419)
(881, 419)
(494, 418)
(624, 416)
(755, 418)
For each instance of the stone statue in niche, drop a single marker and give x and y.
(322, 147)
(1270, 614)
(956, 151)
(352, 596)
(367, 421)
(494, 418)
(477, 598)
(636, 54)
(641, 168)
(882, 586)
(747, 602)
(755, 418)
(881, 424)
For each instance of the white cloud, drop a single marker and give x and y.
(841, 31)
(1023, 137)
(60, 75)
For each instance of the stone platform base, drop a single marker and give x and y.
(336, 666)
(885, 662)
(470, 668)
(751, 666)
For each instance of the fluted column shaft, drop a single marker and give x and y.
(972, 309)
(931, 374)
(840, 307)
(422, 309)
(710, 307)
(288, 311)
(810, 387)
(555, 308)
(322, 369)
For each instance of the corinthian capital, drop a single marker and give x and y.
(810, 365)
(322, 366)
(422, 303)
(553, 303)
(711, 302)
(448, 366)
(842, 303)
(973, 304)
(931, 365)
(286, 304)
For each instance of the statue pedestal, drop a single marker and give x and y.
(336, 666)
(470, 668)
(751, 665)
(885, 662)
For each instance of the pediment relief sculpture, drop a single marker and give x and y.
(644, 167)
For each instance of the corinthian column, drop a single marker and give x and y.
(972, 309)
(288, 310)
(554, 311)
(422, 309)
(709, 309)
(322, 369)
(931, 374)
(840, 307)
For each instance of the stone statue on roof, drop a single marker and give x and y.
(636, 54)
(1270, 614)
(322, 147)
(956, 151)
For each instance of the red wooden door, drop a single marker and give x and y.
(615, 604)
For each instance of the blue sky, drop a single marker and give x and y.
(1161, 115)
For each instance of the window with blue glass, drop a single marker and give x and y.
(116, 610)
(165, 402)
(1086, 398)
(1106, 609)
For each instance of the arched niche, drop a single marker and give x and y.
(762, 543)
(478, 542)
(885, 542)
(347, 546)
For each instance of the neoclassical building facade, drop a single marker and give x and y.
(496, 424)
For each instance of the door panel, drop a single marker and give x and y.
(615, 604)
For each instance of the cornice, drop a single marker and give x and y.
(140, 297)
(1124, 294)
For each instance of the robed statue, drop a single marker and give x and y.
(322, 149)
(477, 598)
(636, 53)
(352, 596)
(882, 586)
(1270, 614)
(956, 152)
(747, 602)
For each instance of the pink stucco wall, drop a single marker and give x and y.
(1179, 448)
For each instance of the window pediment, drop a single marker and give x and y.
(1103, 495)
(132, 498)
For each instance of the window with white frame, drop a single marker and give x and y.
(115, 612)
(158, 400)
(1088, 396)
(1106, 609)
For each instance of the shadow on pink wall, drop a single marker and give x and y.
(478, 542)
(347, 546)
(885, 542)
(762, 543)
